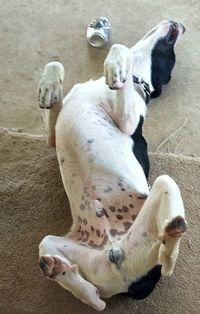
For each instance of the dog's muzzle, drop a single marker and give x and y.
(178, 25)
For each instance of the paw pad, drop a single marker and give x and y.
(176, 228)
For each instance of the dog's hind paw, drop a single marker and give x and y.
(52, 266)
(169, 248)
(50, 85)
(116, 66)
(176, 228)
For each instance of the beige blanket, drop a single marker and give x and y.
(34, 204)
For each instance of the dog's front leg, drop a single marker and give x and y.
(128, 105)
(50, 97)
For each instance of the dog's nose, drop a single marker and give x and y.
(177, 24)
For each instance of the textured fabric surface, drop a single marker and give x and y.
(33, 204)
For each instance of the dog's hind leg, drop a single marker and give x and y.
(161, 218)
(128, 105)
(50, 97)
(54, 255)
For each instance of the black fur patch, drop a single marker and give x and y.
(140, 148)
(143, 287)
(162, 62)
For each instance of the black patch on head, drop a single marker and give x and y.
(162, 62)
(140, 148)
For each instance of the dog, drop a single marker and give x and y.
(123, 233)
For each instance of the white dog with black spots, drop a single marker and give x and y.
(121, 229)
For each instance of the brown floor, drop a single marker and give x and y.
(33, 33)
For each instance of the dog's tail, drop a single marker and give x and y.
(50, 97)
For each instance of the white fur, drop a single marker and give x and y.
(95, 152)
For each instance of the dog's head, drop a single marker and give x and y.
(155, 52)
(166, 31)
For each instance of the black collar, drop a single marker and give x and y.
(145, 87)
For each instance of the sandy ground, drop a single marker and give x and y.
(32, 33)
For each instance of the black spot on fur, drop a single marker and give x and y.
(125, 209)
(113, 232)
(92, 244)
(85, 221)
(108, 190)
(82, 207)
(142, 197)
(98, 233)
(90, 141)
(119, 217)
(144, 234)
(92, 228)
(127, 225)
(105, 212)
(112, 208)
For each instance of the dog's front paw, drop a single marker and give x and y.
(50, 85)
(116, 66)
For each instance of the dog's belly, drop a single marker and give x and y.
(110, 186)
(106, 211)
